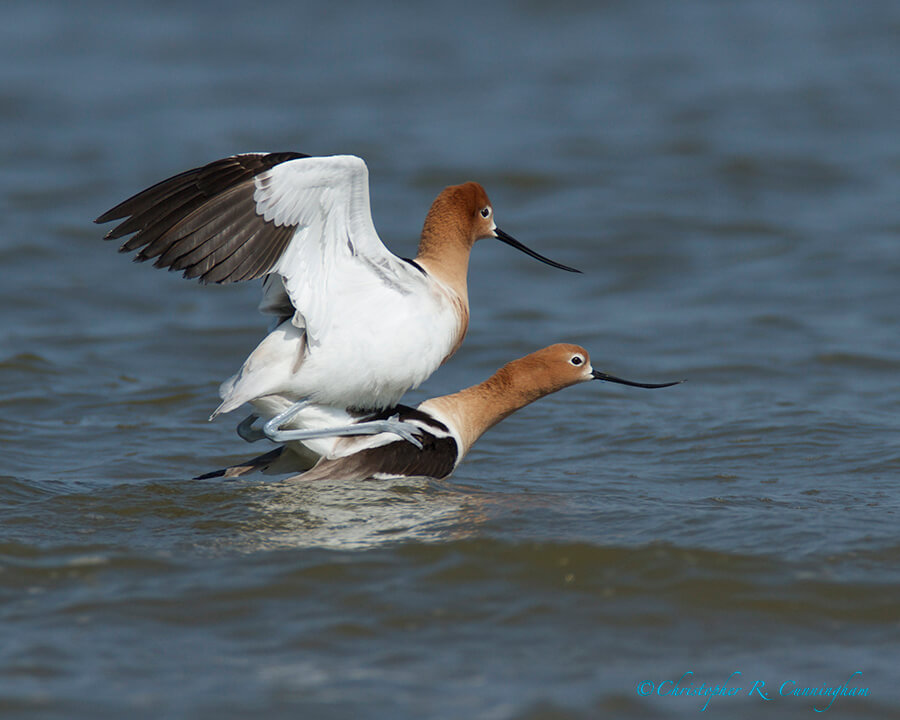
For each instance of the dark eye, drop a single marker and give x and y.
(486, 212)
(577, 360)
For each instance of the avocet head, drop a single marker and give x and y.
(468, 204)
(556, 367)
(559, 366)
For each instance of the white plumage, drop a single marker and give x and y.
(357, 326)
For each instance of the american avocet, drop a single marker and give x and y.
(448, 426)
(357, 326)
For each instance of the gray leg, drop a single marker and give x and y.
(246, 430)
(393, 425)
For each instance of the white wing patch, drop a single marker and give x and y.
(335, 258)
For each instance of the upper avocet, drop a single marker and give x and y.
(358, 326)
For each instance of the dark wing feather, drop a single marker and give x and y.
(279, 461)
(257, 264)
(189, 254)
(204, 221)
(436, 459)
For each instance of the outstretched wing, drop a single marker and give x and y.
(305, 218)
(204, 221)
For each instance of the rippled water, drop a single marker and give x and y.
(726, 174)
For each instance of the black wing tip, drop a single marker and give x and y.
(108, 216)
(153, 216)
(189, 273)
(276, 158)
(210, 475)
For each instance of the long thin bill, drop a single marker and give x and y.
(510, 240)
(612, 378)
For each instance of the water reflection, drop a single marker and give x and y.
(360, 515)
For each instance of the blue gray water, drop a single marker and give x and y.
(727, 176)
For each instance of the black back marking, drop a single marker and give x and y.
(436, 459)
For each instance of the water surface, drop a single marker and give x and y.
(726, 175)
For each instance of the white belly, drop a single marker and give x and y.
(367, 358)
